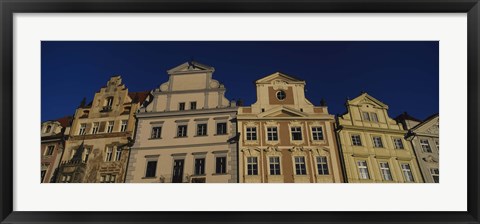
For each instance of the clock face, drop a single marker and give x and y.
(281, 95)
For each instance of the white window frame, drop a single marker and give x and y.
(274, 133)
(363, 172)
(184, 133)
(193, 103)
(83, 129)
(226, 127)
(110, 125)
(295, 163)
(385, 171)
(315, 132)
(435, 172)
(123, 126)
(108, 153)
(279, 163)
(95, 127)
(252, 163)
(401, 143)
(154, 134)
(373, 117)
(365, 116)
(225, 163)
(407, 172)
(359, 139)
(292, 131)
(427, 145)
(380, 143)
(247, 133)
(47, 149)
(318, 160)
(205, 131)
(118, 154)
(181, 106)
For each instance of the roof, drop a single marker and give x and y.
(65, 121)
(406, 116)
(276, 75)
(138, 97)
(433, 116)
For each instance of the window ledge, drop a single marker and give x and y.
(154, 138)
(200, 136)
(181, 137)
(220, 134)
(219, 174)
(149, 177)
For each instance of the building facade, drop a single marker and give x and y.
(373, 145)
(284, 138)
(52, 144)
(424, 137)
(101, 135)
(187, 133)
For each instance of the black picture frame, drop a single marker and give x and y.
(9, 7)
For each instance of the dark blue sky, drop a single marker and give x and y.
(402, 74)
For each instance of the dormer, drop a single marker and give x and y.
(51, 128)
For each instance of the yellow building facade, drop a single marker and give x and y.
(373, 146)
(284, 138)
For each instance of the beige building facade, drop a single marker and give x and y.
(284, 138)
(100, 136)
(424, 137)
(187, 133)
(373, 145)
(52, 144)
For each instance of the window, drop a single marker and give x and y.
(221, 165)
(151, 169)
(251, 133)
(322, 165)
(49, 150)
(435, 174)
(181, 106)
(377, 142)
(42, 175)
(385, 170)
(363, 169)
(110, 126)
(221, 128)
(107, 178)
(67, 178)
(108, 154)
(123, 127)
(108, 104)
(317, 133)
(49, 128)
(281, 95)
(398, 143)
(356, 140)
(82, 129)
(193, 105)
(407, 172)
(156, 132)
(437, 143)
(274, 165)
(366, 116)
(425, 145)
(296, 133)
(272, 134)
(201, 129)
(95, 128)
(300, 168)
(252, 166)
(118, 154)
(182, 131)
(87, 154)
(200, 166)
(374, 117)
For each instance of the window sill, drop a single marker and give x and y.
(200, 136)
(220, 134)
(154, 138)
(149, 177)
(198, 175)
(219, 174)
(181, 136)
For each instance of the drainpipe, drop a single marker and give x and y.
(130, 144)
(342, 159)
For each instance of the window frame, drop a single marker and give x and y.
(82, 129)
(123, 126)
(374, 143)
(225, 130)
(247, 133)
(395, 144)
(321, 131)
(147, 161)
(47, 150)
(304, 163)
(110, 127)
(193, 105)
(156, 134)
(435, 174)
(324, 164)
(108, 154)
(205, 129)
(224, 164)
(185, 132)
(292, 132)
(387, 169)
(250, 165)
(407, 170)
(275, 163)
(274, 137)
(359, 140)
(95, 127)
(181, 106)
(427, 144)
(360, 167)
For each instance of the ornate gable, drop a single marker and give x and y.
(429, 126)
(278, 80)
(282, 111)
(365, 98)
(189, 67)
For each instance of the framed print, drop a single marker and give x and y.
(263, 112)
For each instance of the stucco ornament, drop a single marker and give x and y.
(271, 149)
(164, 87)
(297, 149)
(433, 129)
(430, 159)
(214, 84)
(279, 84)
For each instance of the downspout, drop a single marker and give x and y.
(342, 159)
(130, 144)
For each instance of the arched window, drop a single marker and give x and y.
(108, 103)
(48, 129)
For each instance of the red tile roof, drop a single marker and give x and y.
(65, 121)
(138, 96)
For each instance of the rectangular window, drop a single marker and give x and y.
(182, 131)
(252, 166)
(67, 178)
(49, 150)
(373, 117)
(296, 133)
(221, 128)
(356, 140)
(108, 154)
(363, 169)
(110, 126)
(435, 174)
(95, 127)
(118, 154)
(322, 165)
(251, 133)
(317, 133)
(407, 172)
(200, 166)
(83, 127)
(156, 132)
(87, 154)
(151, 169)
(193, 105)
(42, 175)
(377, 142)
(221, 165)
(201, 129)
(272, 134)
(181, 106)
(123, 127)
(300, 167)
(425, 145)
(398, 143)
(437, 143)
(107, 178)
(274, 165)
(385, 170)
(366, 116)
